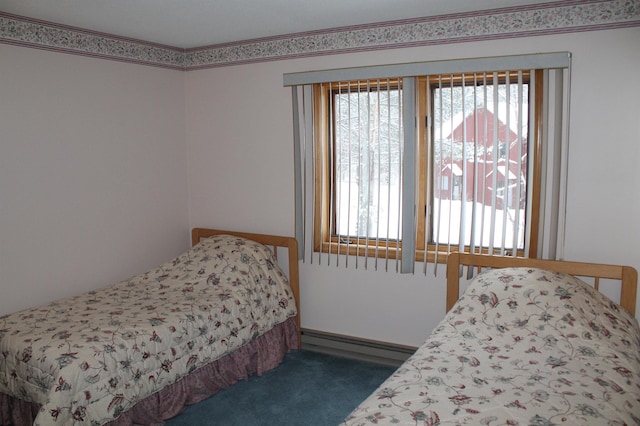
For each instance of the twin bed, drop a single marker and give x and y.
(137, 352)
(527, 343)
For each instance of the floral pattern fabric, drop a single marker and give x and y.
(89, 358)
(521, 347)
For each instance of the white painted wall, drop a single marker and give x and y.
(93, 181)
(240, 163)
(97, 182)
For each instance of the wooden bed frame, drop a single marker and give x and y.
(627, 275)
(273, 242)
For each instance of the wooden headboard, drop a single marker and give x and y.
(271, 241)
(627, 275)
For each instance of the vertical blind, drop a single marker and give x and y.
(475, 189)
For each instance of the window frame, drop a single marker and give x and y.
(325, 241)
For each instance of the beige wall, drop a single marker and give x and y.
(239, 142)
(92, 173)
(105, 165)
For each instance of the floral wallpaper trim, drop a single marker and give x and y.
(21, 31)
(523, 21)
(557, 17)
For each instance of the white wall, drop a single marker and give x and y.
(239, 142)
(97, 182)
(93, 181)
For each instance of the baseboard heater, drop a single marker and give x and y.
(355, 347)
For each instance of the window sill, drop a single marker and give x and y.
(391, 252)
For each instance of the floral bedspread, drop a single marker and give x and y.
(91, 357)
(521, 347)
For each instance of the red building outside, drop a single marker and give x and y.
(487, 158)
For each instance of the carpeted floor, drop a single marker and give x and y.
(307, 389)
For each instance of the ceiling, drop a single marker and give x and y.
(198, 23)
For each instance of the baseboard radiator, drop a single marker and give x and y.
(354, 347)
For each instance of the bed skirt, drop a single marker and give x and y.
(256, 357)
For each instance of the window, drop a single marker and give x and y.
(479, 140)
(433, 163)
(358, 197)
(468, 122)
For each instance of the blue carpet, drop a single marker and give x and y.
(307, 389)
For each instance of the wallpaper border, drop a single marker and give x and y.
(523, 21)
